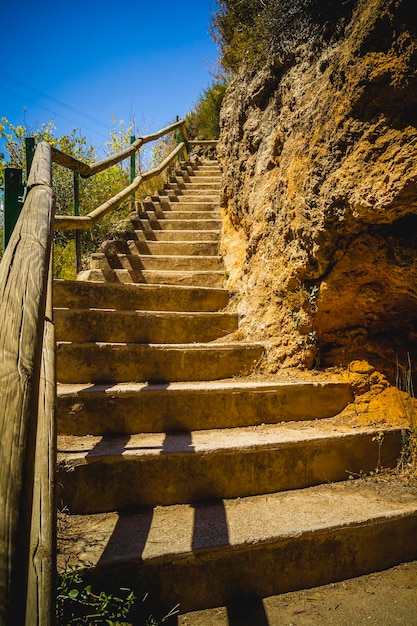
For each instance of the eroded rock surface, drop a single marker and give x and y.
(319, 196)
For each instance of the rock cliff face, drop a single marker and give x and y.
(319, 196)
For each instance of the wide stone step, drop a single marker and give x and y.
(210, 555)
(170, 327)
(169, 248)
(99, 474)
(121, 362)
(197, 183)
(84, 294)
(197, 178)
(201, 187)
(173, 214)
(208, 279)
(187, 224)
(196, 197)
(180, 204)
(175, 195)
(205, 167)
(156, 262)
(133, 408)
(179, 235)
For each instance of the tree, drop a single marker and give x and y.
(93, 191)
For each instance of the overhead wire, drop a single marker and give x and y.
(52, 99)
(54, 112)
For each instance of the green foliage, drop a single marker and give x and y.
(93, 191)
(203, 121)
(249, 31)
(78, 604)
(64, 260)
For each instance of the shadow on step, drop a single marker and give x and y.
(247, 612)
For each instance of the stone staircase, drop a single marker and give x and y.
(180, 475)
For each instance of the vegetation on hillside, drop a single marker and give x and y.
(203, 121)
(252, 30)
(93, 191)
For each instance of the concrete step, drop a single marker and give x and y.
(84, 294)
(384, 597)
(198, 178)
(208, 279)
(156, 262)
(200, 183)
(167, 202)
(201, 187)
(125, 362)
(187, 224)
(180, 203)
(205, 169)
(174, 214)
(179, 235)
(169, 327)
(193, 207)
(99, 474)
(210, 555)
(170, 248)
(134, 408)
(196, 197)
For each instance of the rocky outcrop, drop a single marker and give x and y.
(319, 196)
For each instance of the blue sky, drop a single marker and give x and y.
(146, 61)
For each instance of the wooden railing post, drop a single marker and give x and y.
(23, 294)
(132, 166)
(77, 236)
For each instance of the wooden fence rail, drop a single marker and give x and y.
(72, 222)
(26, 368)
(86, 170)
(28, 385)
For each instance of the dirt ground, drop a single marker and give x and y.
(383, 598)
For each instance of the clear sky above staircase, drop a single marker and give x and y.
(146, 61)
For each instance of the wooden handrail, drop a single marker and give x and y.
(72, 222)
(26, 374)
(86, 170)
(28, 386)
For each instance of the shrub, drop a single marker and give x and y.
(203, 121)
(251, 30)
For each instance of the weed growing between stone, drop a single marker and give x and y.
(77, 604)
(404, 382)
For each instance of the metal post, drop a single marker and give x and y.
(30, 153)
(77, 238)
(13, 195)
(132, 167)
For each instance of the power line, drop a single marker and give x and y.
(54, 112)
(55, 100)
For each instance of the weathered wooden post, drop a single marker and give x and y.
(77, 237)
(132, 166)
